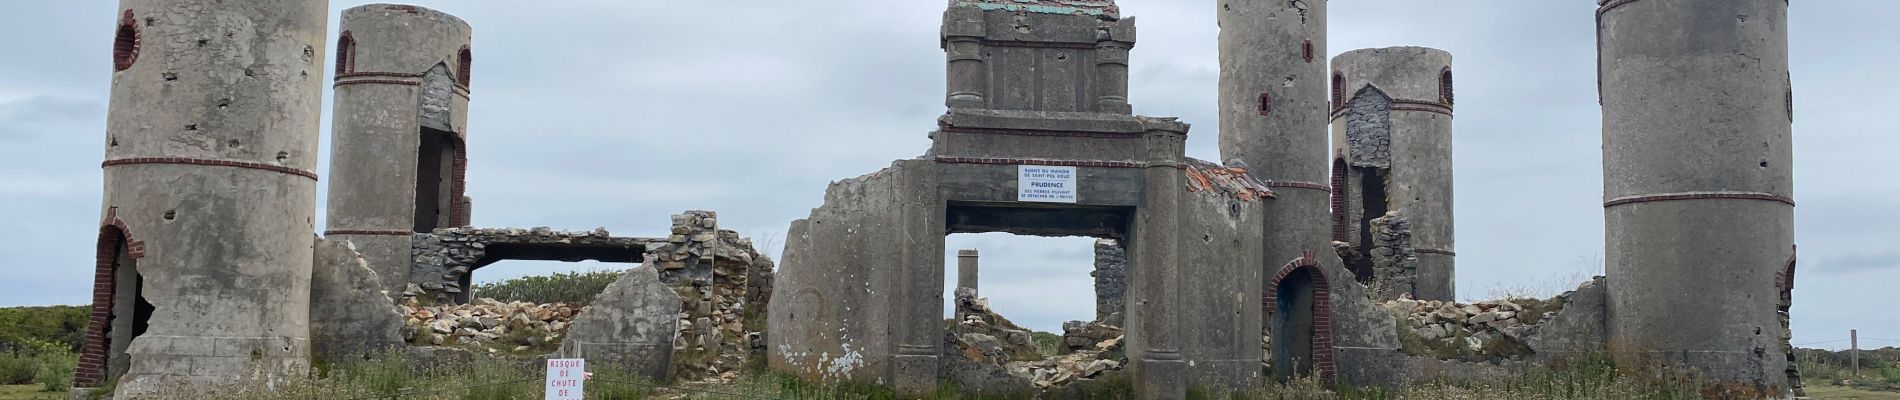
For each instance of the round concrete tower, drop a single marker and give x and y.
(1392, 152)
(398, 153)
(1273, 115)
(1698, 185)
(211, 139)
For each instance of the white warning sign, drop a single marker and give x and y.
(1045, 184)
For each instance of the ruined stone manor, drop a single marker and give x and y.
(1320, 244)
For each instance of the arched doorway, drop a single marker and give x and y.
(1299, 316)
(119, 310)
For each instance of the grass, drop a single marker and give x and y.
(28, 392)
(1841, 392)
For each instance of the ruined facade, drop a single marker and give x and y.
(1698, 185)
(207, 270)
(399, 158)
(1032, 86)
(204, 257)
(1392, 169)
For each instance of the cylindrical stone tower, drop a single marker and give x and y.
(1698, 183)
(398, 150)
(211, 139)
(966, 269)
(1392, 153)
(1273, 115)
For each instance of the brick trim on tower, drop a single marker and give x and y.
(1700, 196)
(91, 369)
(1322, 310)
(202, 161)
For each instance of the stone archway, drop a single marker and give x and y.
(115, 255)
(1298, 305)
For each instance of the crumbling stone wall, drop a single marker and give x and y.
(1394, 261)
(1111, 281)
(721, 282)
(709, 269)
(351, 316)
(444, 259)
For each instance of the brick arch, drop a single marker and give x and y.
(91, 371)
(125, 43)
(1339, 90)
(1444, 87)
(345, 54)
(464, 64)
(1322, 309)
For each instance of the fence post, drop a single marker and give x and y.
(1853, 343)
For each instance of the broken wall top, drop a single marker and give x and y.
(1105, 9)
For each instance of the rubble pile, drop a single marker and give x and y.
(1493, 328)
(977, 324)
(497, 326)
(979, 335)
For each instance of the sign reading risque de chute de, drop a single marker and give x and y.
(565, 378)
(1045, 184)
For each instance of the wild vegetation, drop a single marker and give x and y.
(1879, 369)
(578, 288)
(39, 346)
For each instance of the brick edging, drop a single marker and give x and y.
(1700, 196)
(367, 232)
(1028, 132)
(1322, 310)
(1405, 105)
(203, 161)
(1300, 185)
(1053, 163)
(342, 83)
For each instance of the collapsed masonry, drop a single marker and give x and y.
(692, 310)
(1392, 220)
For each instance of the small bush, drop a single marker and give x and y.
(18, 370)
(1049, 344)
(579, 288)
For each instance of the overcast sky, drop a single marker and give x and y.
(620, 113)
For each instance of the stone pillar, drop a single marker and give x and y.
(210, 151)
(1394, 138)
(966, 269)
(1158, 366)
(398, 149)
(1698, 183)
(1111, 69)
(1111, 281)
(963, 33)
(1273, 116)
